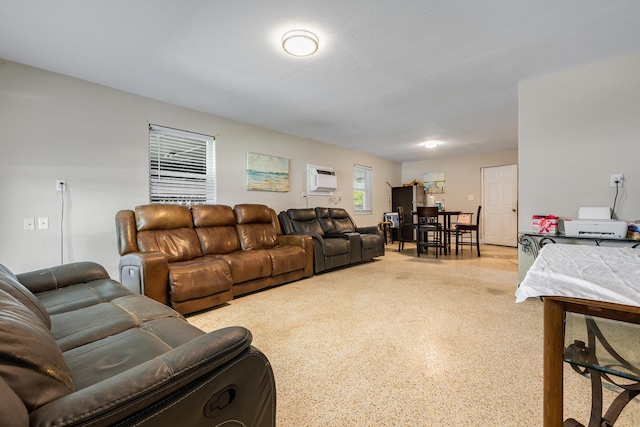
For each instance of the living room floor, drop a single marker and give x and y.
(407, 341)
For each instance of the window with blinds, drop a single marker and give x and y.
(362, 189)
(182, 167)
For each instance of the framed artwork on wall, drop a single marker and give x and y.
(267, 173)
(434, 182)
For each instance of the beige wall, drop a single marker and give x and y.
(57, 127)
(463, 176)
(576, 128)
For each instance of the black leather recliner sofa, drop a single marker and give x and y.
(337, 241)
(79, 349)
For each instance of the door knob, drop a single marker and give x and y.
(513, 210)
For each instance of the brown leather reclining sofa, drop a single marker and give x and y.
(79, 349)
(337, 241)
(194, 259)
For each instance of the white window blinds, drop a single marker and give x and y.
(182, 167)
(362, 189)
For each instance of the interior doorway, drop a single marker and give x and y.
(500, 205)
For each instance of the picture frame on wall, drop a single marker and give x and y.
(434, 182)
(267, 173)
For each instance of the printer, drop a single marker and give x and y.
(595, 222)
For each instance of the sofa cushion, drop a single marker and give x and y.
(105, 358)
(257, 236)
(81, 295)
(252, 213)
(10, 284)
(213, 215)
(336, 246)
(324, 218)
(341, 220)
(162, 217)
(248, 265)
(30, 361)
(222, 239)
(305, 221)
(179, 244)
(78, 327)
(255, 226)
(285, 259)
(167, 229)
(102, 359)
(198, 278)
(216, 229)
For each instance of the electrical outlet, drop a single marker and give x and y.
(61, 184)
(29, 224)
(43, 223)
(617, 177)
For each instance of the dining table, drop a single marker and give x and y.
(446, 222)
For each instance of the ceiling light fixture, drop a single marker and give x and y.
(431, 144)
(300, 43)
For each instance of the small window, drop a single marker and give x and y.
(362, 189)
(182, 167)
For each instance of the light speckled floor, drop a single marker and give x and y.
(406, 341)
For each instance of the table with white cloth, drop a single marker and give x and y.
(591, 321)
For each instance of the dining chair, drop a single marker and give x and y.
(402, 227)
(467, 230)
(431, 231)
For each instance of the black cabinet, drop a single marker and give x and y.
(409, 198)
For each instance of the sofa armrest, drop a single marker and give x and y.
(146, 273)
(316, 238)
(372, 229)
(62, 275)
(153, 387)
(338, 235)
(13, 413)
(306, 242)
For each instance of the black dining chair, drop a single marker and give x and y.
(431, 231)
(464, 231)
(403, 228)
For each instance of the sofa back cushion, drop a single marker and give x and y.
(10, 284)
(325, 220)
(342, 220)
(255, 227)
(216, 229)
(167, 229)
(30, 361)
(305, 221)
(276, 222)
(162, 217)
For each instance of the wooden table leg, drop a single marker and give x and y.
(553, 364)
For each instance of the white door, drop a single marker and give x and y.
(500, 205)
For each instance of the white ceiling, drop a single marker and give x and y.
(389, 73)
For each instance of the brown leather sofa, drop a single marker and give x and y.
(337, 241)
(79, 349)
(194, 259)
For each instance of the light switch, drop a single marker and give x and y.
(43, 223)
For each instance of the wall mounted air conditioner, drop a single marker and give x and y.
(321, 179)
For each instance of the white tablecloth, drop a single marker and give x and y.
(588, 272)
